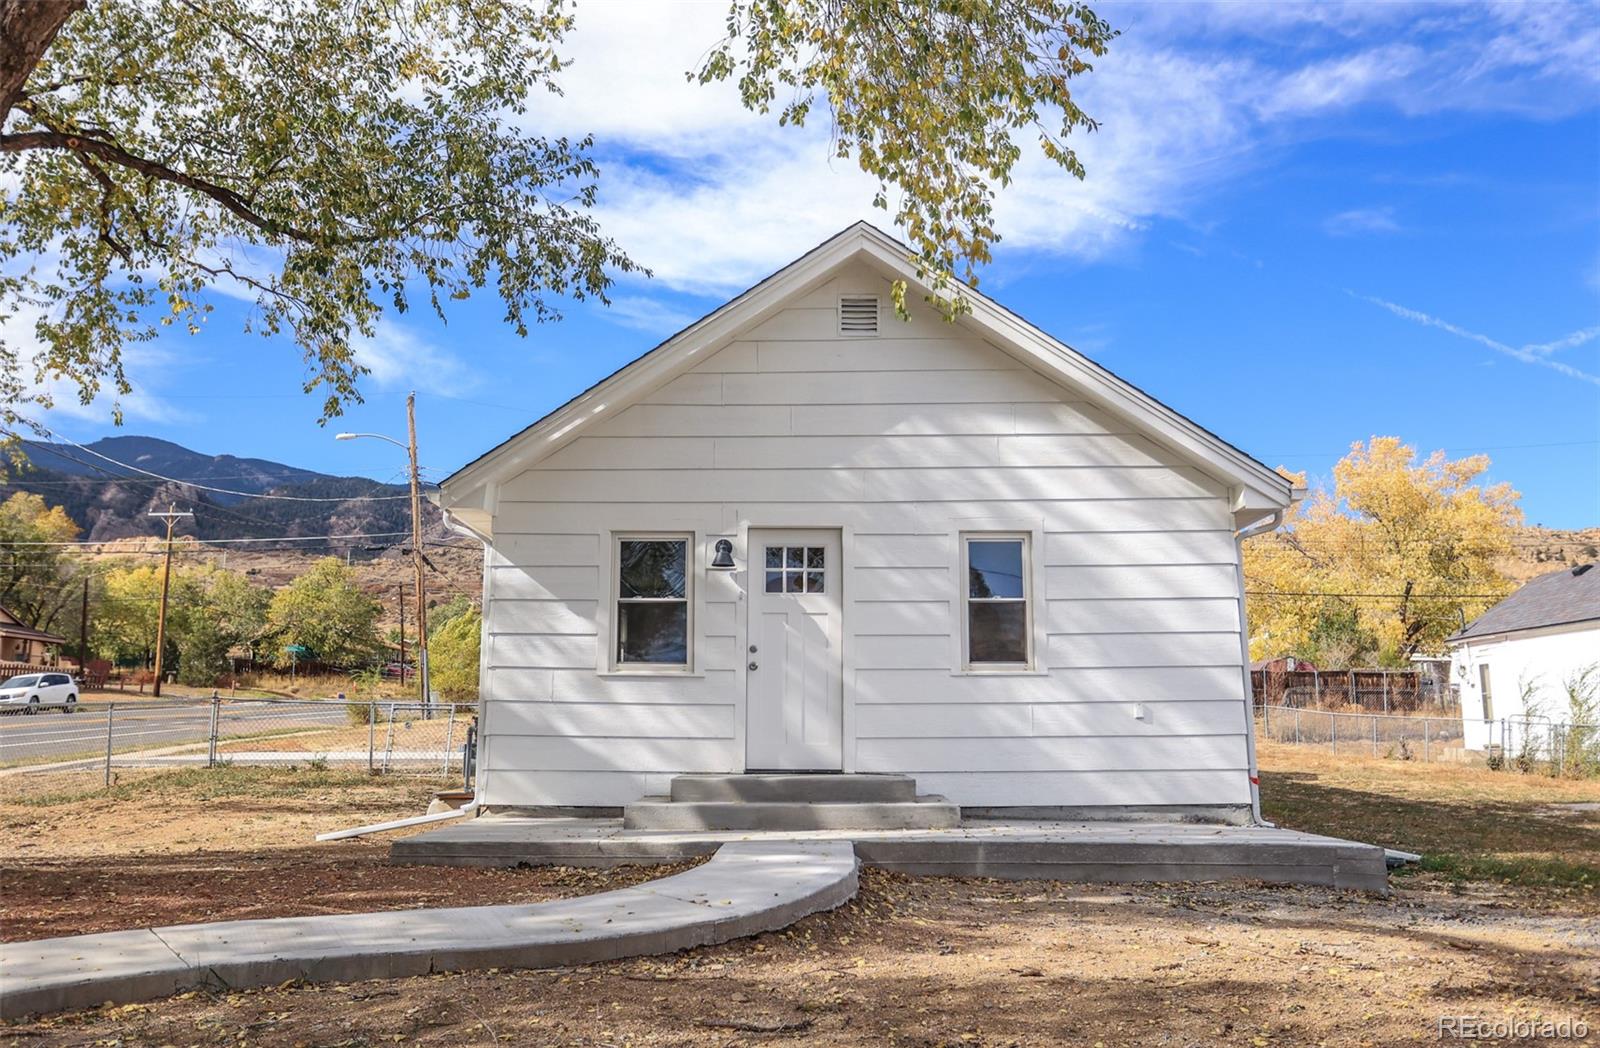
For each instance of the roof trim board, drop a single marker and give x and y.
(1257, 486)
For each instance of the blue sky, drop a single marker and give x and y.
(1302, 226)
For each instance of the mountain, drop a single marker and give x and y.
(168, 459)
(109, 497)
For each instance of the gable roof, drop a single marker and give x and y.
(11, 625)
(1261, 488)
(1559, 598)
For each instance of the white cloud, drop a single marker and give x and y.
(1361, 220)
(399, 358)
(1339, 82)
(1530, 354)
(147, 365)
(1578, 338)
(712, 197)
(649, 315)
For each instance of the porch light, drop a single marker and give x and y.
(722, 559)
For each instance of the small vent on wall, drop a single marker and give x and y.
(858, 314)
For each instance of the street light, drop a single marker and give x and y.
(416, 537)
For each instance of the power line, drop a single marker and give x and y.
(211, 542)
(230, 491)
(1377, 596)
(1452, 451)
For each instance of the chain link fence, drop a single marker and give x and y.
(1513, 743)
(376, 736)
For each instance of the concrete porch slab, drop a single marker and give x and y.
(1124, 852)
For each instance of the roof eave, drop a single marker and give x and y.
(1463, 636)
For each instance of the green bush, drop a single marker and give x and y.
(366, 687)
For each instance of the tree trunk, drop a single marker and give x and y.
(27, 28)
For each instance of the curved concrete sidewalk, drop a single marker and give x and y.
(746, 888)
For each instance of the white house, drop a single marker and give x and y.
(1527, 647)
(806, 534)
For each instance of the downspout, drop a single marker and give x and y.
(400, 824)
(1265, 524)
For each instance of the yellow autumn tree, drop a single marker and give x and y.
(1386, 564)
(37, 575)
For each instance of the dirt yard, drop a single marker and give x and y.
(232, 844)
(1491, 930)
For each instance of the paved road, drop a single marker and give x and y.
(52, 736)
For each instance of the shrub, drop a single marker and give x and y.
(1582, 742)
(366, 686)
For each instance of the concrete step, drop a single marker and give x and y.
(660, 813)
(796, 788)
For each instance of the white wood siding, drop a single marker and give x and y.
(903, 441)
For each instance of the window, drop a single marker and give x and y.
(1488, 694)
(998, 622)
(652, 624)
(795, 569)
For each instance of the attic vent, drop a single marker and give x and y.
(858, 314)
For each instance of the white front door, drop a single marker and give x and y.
(795, 691)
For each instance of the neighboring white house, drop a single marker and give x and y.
(806, 534)
(1534, 641)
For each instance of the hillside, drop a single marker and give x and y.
(110, 501)
(1542, 550)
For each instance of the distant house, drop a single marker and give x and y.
(1533, 641)
(803, 535)
(20, 642)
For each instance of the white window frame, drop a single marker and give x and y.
(613, 661)
(1028, 599)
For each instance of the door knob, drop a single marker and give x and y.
(752, 649)
(753, 666)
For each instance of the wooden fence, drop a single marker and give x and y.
(94, 678)
(1384, 691)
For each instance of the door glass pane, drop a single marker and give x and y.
(996, 632)
(653, 632)
(814, 558)
(651, 567)
(774, 582)
(774, 556)
(792, 582)
(796, 557)
(813, 582)
(994, 568)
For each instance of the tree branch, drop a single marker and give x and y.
(114, 154)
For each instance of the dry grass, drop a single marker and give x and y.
(1468, 823)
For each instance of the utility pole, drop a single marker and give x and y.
(83, 632)
(417, 560)
(416, 549)
(402, 590)
(171, 516)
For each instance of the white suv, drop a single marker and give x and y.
(35, 691)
